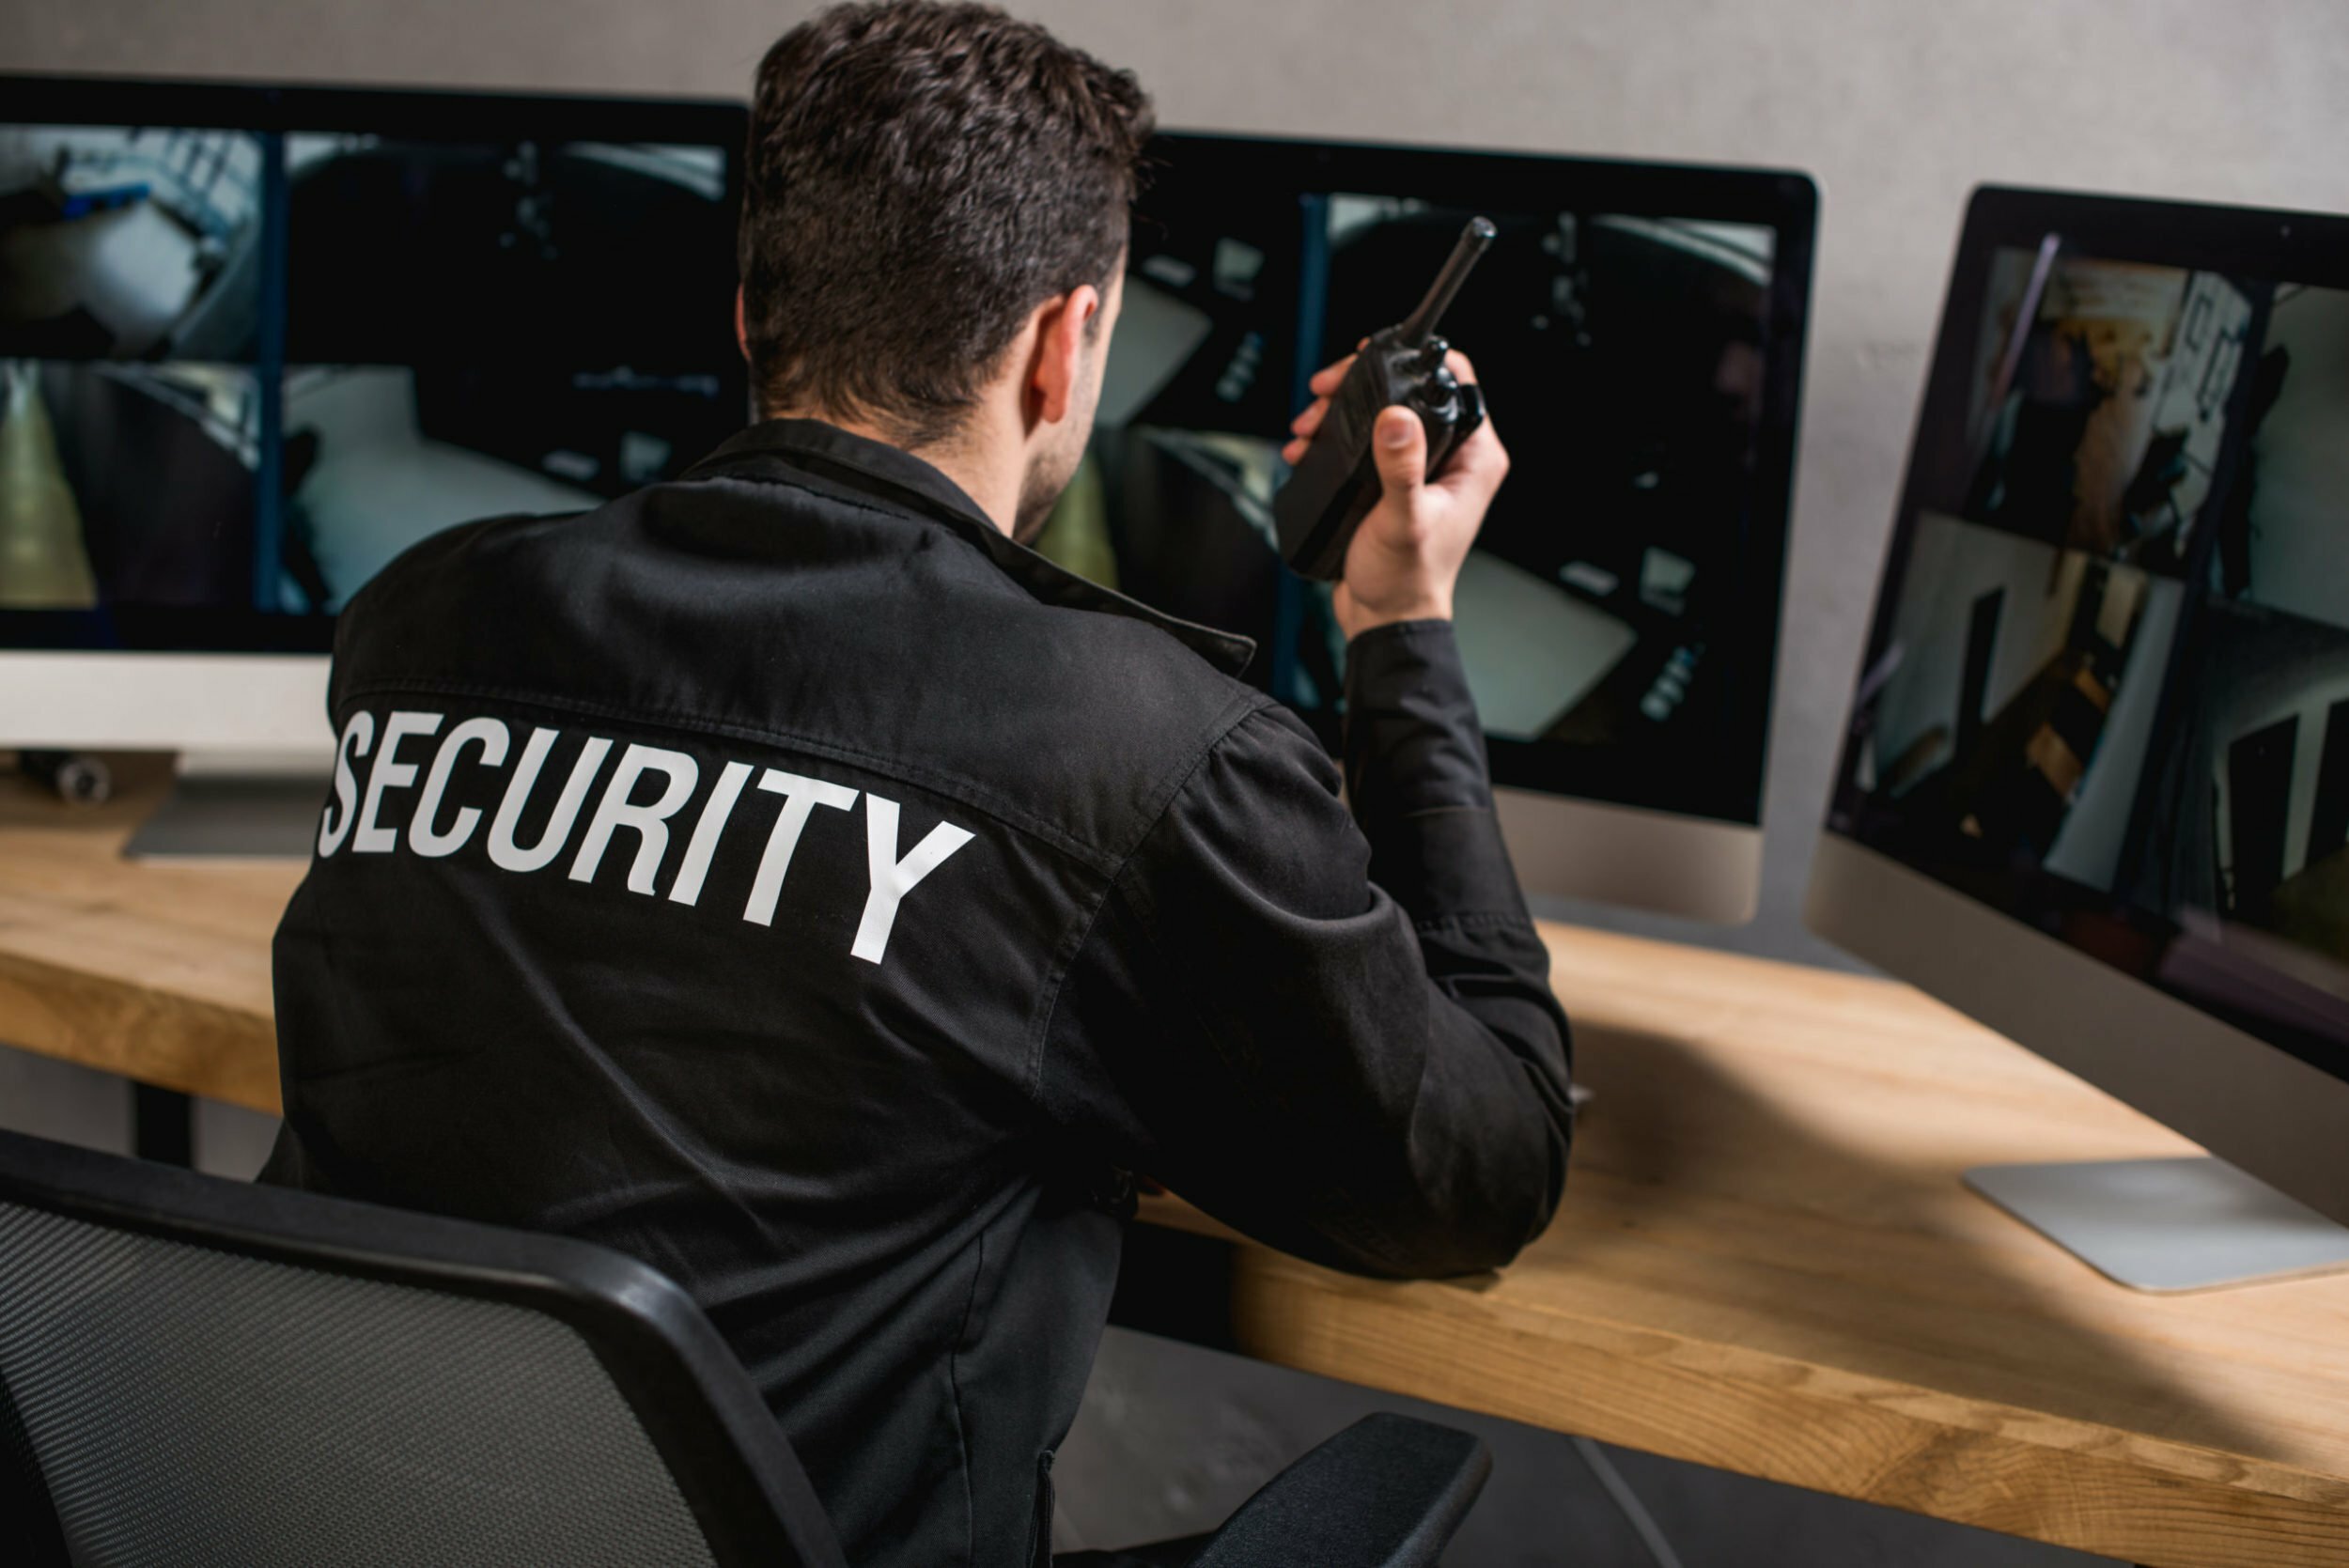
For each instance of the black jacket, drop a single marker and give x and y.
(784, 878)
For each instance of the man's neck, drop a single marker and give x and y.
(989, 472)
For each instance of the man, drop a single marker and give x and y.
(787, 878)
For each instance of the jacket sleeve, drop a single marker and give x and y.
(1338, 1039)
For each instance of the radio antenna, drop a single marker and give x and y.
(1421, 324)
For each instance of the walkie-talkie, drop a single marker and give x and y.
(1336, 485)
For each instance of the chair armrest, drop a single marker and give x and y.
(1387, 1492)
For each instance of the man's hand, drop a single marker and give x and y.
(1406, 557)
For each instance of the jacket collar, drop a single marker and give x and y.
(784, 449)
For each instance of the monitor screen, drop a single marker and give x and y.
(253, 344)
(2107, 693)
(1637, 334)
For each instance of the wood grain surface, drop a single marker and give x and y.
(1766, 1261)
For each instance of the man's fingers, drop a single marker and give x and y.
(1477, 465)
(1464, 373)
(1399, 447)
(1484, 445)
(1303, 427)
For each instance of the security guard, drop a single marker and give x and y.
(784, 876)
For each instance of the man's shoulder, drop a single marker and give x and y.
(422, 601)
(446, 562)
(1101, 716)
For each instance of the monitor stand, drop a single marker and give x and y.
(237, 806)
(2167, 1224)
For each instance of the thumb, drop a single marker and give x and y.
(1400, 449)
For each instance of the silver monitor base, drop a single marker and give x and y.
(232, 816)
(2167, 1224)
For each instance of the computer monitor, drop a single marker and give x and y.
(254, 341)
(1639, 333)
(2097, 785)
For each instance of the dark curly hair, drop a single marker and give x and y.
(920, 177)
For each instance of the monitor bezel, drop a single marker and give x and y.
(1786, 202)
(447, 115)
(2254, 1101)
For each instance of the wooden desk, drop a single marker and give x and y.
(159, 972)
(1766, 1261)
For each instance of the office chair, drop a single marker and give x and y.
(198, 1371)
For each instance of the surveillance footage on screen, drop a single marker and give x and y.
(2114, 698)
(1623, 361)
(454, 330)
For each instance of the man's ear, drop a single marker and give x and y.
(741, 329)
(1064, 335)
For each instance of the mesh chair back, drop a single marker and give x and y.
(226, 1382)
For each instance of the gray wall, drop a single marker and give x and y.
(1896, 106)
